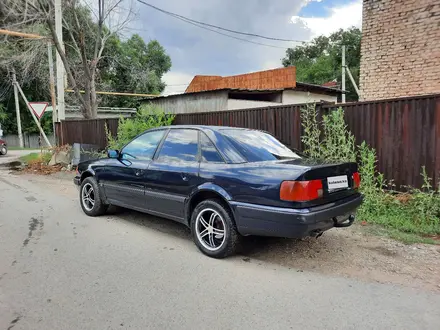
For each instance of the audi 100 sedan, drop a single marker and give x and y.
(223, 183)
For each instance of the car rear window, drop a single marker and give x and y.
(257, 146)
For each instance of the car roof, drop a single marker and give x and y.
(206, 127)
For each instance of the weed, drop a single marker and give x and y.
(310, 137)
(34, 156)
(405, 216)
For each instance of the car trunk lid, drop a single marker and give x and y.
(337, 178)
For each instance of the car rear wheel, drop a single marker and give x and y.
(3, 150)
(90, 198)
(213, 229)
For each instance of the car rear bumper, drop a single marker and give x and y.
(263, 220)
(77, 180)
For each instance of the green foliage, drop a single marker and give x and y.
(319, 61)
(134, 66)
(338, 143)
(148, 116)
(46, 156)
(311, 136)
(403, 215)
(3, 114)
(127, 65)
(34, 156)
(415, 212)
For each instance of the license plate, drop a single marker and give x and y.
(337, 182)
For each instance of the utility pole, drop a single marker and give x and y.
(59, 63)
(52, 84)
(343, 73)
(17, 109)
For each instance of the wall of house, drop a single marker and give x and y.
(234, 104)
(299, 97)
(400, 53)
(197, 102)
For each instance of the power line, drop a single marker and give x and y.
(228, 35)
(203, 25)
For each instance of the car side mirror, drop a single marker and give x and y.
(113, 153)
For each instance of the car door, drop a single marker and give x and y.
(124, 181)
(173, 174)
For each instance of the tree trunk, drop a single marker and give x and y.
(86, 111)
(93, 98)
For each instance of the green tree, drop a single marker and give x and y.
(124, 65)
(136, 67)
(319, 61)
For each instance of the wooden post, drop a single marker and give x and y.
(33, 115)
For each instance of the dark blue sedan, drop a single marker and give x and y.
(223, 183)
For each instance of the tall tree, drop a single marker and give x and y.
(78, 24)
(319, 61)
(123, 65)
(134, 66)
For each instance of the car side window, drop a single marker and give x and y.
(144, 146)
(180, 145)
(209, 152)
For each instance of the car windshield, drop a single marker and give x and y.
(257, 146)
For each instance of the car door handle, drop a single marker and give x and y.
(184, 176)
(138, 172)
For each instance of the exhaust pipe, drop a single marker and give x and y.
(316, 233)
(346, 223)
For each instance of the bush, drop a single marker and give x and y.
(416, 211)
(147, 117)
(337, 142)
(311, 135)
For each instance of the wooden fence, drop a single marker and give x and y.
(405, 132)
(92, 131)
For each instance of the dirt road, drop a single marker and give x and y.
(60, 269)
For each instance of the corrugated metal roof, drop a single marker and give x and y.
(299, 86)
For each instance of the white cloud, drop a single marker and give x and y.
(176, 82)
(195, 51)
(271, 64)
(341, 17)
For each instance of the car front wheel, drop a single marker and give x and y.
(3, 150)
(90, 198)
(213, 229)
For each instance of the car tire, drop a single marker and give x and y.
(213, 229)
(3, 150)
(90, 197)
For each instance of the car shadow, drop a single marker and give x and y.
(252, 246)
(162, 225)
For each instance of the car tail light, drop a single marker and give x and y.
(356, 180)
(301, 191)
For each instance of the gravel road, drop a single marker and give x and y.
(60, 269)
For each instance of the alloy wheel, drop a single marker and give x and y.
(88, 197)
(210, 229)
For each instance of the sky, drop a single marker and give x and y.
(195, 51)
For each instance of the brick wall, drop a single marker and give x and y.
(270, 79)
(400, 54)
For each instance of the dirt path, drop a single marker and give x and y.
(351, 252)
